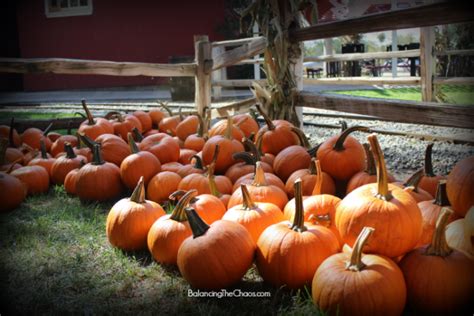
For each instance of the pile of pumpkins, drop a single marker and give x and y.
(330, 217)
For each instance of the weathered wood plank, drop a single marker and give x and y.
(237, 82)
(60, 123)
(235, 42)
(203, 51)
(427, 63)
(233, 108)
(231, 57)
(362, 56)
(364, 81)
(395, 110)
(434, 14)
(456, 80)
(94, 67)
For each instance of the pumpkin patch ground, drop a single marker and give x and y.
(63, 253)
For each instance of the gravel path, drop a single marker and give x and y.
(403, 155)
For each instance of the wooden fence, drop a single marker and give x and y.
(206, 63)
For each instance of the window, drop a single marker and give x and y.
(62, 8)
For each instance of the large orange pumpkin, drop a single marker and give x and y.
(130, 219)
(168, 233)
(217, 255)
(460, 186)
(289, 253)
(12, 192)
(440, 280)
(36, 178)
(289, 160)
(390, 210)
(357, 284)
(164, 147)
(342, 156)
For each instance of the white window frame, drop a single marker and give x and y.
(69, 11)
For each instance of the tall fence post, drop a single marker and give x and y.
(203, 53)
(297, 65)
(427, 39)
(218, 74)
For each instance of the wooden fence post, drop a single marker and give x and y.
(427, 39)
(297, 65)
(203, 53)
(217, 75)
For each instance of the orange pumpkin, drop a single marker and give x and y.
(138, 164)
(63, 165)
(162, 185)
(58, 146)
(124, 124)
(284, 246)
(98, 180)
(113, 148)
(390, 210)
(162, 146)
(222, 128)
(70, 180)
(168, 233)
(145, 120)
(201, 183)
(289, 160)
(32, 136)
(411, 186)
(270, 178)
(169, 124)
(260, 191)
(156, 117)
(357, 284)
(460, 186)
(10, 133)
(130, 219)
(44, 161)
(255, 216)
(342, 156)
(187, 126)
(12, 192)
(247, 166)
(429, 181)
(36, 178)
(217, 255)
(247, 124)
(439, 280)
(93, 127)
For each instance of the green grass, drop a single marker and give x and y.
(55, 259)
(452, 94)
(35, 115)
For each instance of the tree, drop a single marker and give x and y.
(381, 37)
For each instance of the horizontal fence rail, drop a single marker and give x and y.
(362, 56)
(95, 67)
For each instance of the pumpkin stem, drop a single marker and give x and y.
(248, 158)
(44, 154)
(201, 126)
(247, 202)
(267, 119)
(343, 125)
(10, 133)
(302, 137)
(259, 179)
(312, 167)
(69, 151)
(131, 143)
(198, 226)
(339, 145)
(87, 140)
(370, 168)
(441, 198)
(164, 105)
(90, 118)
(414, 180)
(69, 127)
(428, 162)
(198, 164)
(97, 155)
(178, 213)
(319, 178)
(355, 264)
(137, 135)
(212, 183)
(228, 130)
(382, 180)
(48, 129)
(216, 153)
(298, 220)
(250, 146)
(3, 150)
(439, 246)
(313, 150)
(138, 195)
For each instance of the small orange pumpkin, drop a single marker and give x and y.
(162, 185)
(36, 178)
(93, 127)
(460, 186)
(12, 192)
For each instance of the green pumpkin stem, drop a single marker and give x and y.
(138, 195)
(87, 140)
(69, 151)
(212, 183)
(414, 180)
(10, 133)
(439, 246)
(441, 197)
(90, 118)
(382, 180)
(137, 135)
(267, 119)
(44, 153)
(198, 226)
(428, 162)
(302, 137)
(247, 202)
(131, 143)
(164, 105)
(319, 178)
(298, 220)
(178, 213)
(370, 168)
(97, 155)
(259, 179)
(355, 264)
(339, 145)
(216, 154)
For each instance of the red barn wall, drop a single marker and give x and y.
(117, 30)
